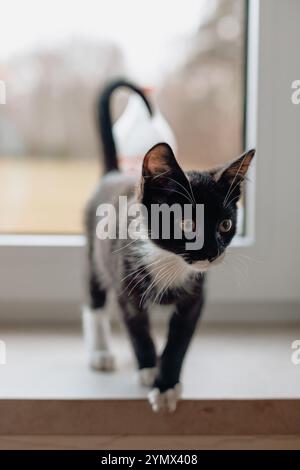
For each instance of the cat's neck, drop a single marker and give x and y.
(168, 270)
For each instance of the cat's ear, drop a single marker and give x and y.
(161, 174)
(235, 171)
(160, 160)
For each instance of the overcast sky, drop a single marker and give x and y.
(145, 29)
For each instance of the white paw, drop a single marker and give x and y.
(102, 360)
(146, 376)
(167, 400)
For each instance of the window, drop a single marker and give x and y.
(54, 62)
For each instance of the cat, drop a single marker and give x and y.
(136, 274)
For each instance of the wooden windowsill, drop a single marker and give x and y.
(238, 381)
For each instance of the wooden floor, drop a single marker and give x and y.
(59, 442)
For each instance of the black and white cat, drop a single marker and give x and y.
(137, 274)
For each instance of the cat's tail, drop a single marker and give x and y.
(104, 120)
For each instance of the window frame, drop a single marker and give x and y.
(40, 268)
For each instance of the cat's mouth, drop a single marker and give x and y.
(204, 265)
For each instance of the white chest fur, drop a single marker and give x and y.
(167, 269)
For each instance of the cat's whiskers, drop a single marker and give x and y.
(237, 172)
(174, 191)
(149, 273)
(190, 194)
(243, 255)
(158, 296)
(172, 278)
(125, 246)
(225, 202)
(172, 275)
(159, 175)
(159, 275)
(240, 267)
(231, 189)
(169, 282)
(136, 272)
(166, 275)
(231, 200)
(140, 268)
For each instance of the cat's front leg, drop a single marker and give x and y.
(167, 388)
(137, 322)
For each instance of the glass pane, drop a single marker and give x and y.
(54, 59)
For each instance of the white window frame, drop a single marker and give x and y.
(48, 269)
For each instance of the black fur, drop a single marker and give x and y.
(181, 329)
(97, 295)
(104, 121)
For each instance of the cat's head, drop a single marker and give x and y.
(218, 190)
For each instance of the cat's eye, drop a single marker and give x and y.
(188, 225)
(225, 225)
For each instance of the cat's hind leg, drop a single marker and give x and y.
(96, 327)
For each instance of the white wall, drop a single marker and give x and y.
(274, 273)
